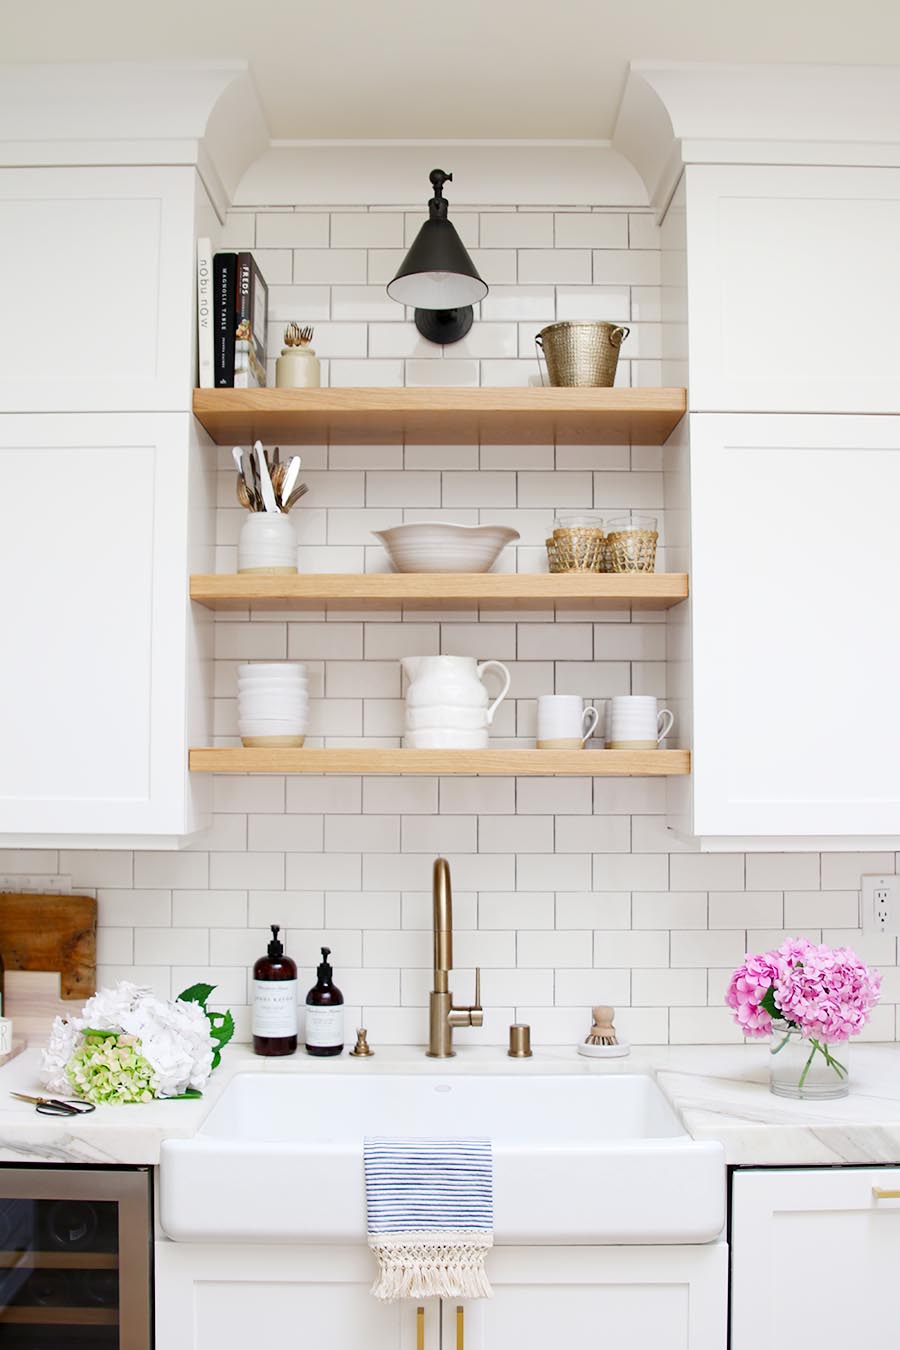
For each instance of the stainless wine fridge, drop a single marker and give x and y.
(75, 1258)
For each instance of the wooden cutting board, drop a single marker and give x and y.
(52, 933)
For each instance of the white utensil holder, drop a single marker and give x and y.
(267, 543)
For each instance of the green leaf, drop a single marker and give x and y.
(188, 1095)
(768, 1004)
(221, 1026)
(198, 993)
(95, 1031)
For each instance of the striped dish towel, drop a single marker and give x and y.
(431, 1216)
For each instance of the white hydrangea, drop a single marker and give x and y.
(175, 1037)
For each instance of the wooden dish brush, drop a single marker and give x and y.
(601, 1042)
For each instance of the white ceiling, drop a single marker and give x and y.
(450, 69)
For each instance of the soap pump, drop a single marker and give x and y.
(275, 1001)
(324, 1012)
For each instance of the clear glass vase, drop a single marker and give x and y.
(806, 1069)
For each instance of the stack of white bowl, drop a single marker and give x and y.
(273, 703)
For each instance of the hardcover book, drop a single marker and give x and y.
(251, 307)
(224, 292)
(205, 310)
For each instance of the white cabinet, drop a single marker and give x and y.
(794, 288)
(667, 1298)
(98, 287)
(790, 653)
(815, 1255)
(217, 1297)
(225, 1297)
(102, 519)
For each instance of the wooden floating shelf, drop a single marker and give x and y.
(503, 763)
(440, 416)
(433, 590)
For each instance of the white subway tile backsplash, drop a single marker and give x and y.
(159, 869)
(780, 871)
(366, 229)
(305, 304)
(567, 891)
(515, 834)
(332, 267)
(842, 871)
(91, 867)
(709, 871)
(171, 946)
(580, 229)
(568, 266)
(532, 303)
(669, 909)
(553, 871)
(291, 229)
(514, 229)
(668, 988)
(710, 948)
(745, 909)
(593, 834)
(570, 947)
(362, 834)
(124, 908)
(624, 265)
(616, 948)
(262, 870)
(816, 909)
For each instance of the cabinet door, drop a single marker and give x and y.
(794, 288)
(231, 1297)
(98, 288)
(593, 1298)
(97, 646)
(815, 1255)
(794, 563)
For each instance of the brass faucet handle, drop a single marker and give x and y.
(362, 1049)
(476, 1012)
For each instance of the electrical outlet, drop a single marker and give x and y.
(881, 904)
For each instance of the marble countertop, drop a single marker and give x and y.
(720, 1092)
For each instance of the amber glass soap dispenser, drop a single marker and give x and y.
(324, 1013)
(275, 1001)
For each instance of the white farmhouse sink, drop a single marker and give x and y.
(581, 1158)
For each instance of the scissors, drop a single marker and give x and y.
(55, 1106)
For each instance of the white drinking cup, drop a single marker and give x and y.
(636, 722)
(564, 723)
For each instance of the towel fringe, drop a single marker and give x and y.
(426, 1265)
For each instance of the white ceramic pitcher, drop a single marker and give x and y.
(447, 706)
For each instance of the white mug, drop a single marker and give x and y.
(563, 722)
(633, 722)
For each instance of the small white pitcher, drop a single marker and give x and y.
(447, 705)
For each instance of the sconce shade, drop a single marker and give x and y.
(437, 272)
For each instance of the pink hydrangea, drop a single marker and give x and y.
(748, 987)
(827, 992)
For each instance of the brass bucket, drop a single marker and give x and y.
(581, 352)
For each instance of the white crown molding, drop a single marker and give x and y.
(204, 113)
(485, 173)
(675, 113)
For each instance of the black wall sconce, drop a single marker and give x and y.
(437, 277)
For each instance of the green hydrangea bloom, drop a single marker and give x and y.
(110, 1068)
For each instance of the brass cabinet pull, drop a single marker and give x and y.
(420, 1329)
(879, 1193)
(461, 1326)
